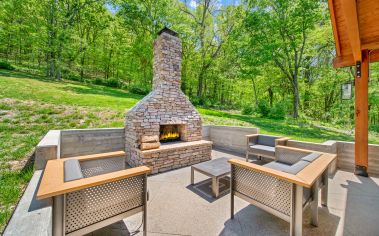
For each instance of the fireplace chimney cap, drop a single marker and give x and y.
(168, 31)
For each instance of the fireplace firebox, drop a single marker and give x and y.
(170, 133)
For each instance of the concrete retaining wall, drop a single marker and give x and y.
(345, 161)
(230, 138)
(68, 143)
(47, 149)
(89, 141)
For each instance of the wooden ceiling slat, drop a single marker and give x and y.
(368, 12)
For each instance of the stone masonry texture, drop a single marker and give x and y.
(165, 104)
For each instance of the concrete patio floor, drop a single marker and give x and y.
(177, 208)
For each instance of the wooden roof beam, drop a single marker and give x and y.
(334, 26)
(344, 61)
(349, 8)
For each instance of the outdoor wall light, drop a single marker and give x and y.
(346, 91)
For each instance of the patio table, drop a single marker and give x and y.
(216, 169)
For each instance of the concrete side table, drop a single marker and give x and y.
(215, 169)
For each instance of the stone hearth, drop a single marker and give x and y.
(166, 105)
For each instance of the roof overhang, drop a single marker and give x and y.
(355, 28)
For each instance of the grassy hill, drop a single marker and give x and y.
(31, 105)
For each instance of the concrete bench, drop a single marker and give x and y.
(31, 216)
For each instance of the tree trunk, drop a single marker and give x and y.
(296, 98)
(255, 92)
(200, 85)
(270, 95)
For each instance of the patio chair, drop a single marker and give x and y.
(283, 187)
(263, 145)
(96, 191)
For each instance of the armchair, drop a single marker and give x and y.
(283, 189)
(93, 191)
(263, 145)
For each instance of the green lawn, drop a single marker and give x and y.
(30, 106)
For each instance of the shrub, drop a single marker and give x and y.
(113, 82)
(278, 111)
(374, 128)
(110, 82)
(247, 109)
(138, 90)
(263, 108)
(74, 77)
(6, 65)
(197, 101)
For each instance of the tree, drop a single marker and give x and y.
(279, 31)
(207, 19)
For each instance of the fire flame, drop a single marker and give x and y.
(169, 135)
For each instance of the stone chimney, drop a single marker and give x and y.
(167, 60)
(166, 107)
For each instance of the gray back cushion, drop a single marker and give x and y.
(72, 170)
(311, 157)
(289, 156)
(267, 140)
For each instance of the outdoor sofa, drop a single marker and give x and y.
(263, 145)
(285, 186)
(93, 191)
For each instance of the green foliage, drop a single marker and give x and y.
(263, 108)
(247, 109)
(278, 111)
(6, 65)
(374, 128)
(197, 101)
(110, 82)
(139, 90)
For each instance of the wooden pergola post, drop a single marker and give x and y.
(361, 117)
(356, 34)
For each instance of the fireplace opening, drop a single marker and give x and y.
(169, 133)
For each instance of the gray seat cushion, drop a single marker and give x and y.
(311, 157)
(277, 166)
(261, 150)
(72, 170)
(267, 140)
(297, 167)
(291, 169)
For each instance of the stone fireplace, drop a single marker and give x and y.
(167, 114)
